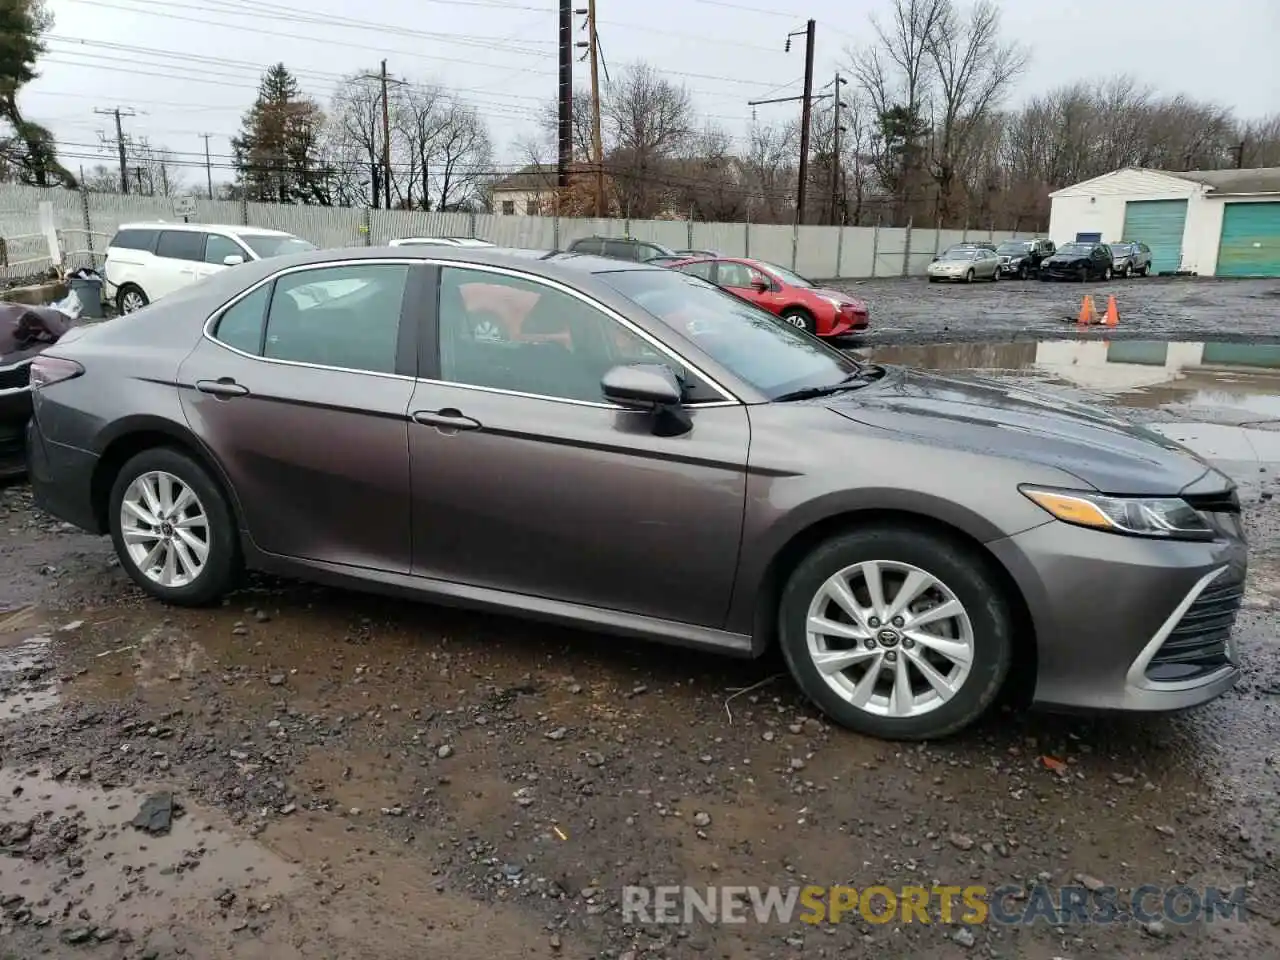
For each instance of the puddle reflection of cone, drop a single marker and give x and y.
(1112, 318)
(1088, 312)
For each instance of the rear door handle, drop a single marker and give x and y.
(225, 387)
(448, 419)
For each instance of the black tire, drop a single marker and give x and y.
(129, 293)
(1145, 271)
(966, 574)
(1107, 275)
(969, 277)
(1022, 272)
(1128, 270)
(223, 563)
(995, 277)
(802, 318)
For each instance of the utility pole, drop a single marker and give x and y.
(208, 167)
(596, 146)
(137, 172)
(124, 161)
(805, 114)
(386, 141)
(837, 159)
(564, 159)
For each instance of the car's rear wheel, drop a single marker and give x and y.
(130, 298)
(995, 276)
(1022, 272)
(897, 632)
(172, 528)
(799, 317)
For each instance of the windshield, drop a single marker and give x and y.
(1076, 249)
(786, 276)
(1120, 249)
(1012, 248)
(265, 245)
(768, 353)
(966, 254)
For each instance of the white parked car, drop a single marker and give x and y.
(147, 261)
(440, 242)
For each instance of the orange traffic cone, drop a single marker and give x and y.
(1112, 318)
(1088, 312)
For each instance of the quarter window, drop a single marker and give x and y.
(508, 333)
(240, 326)
(135, 240)
(181, 245)
(217, 249)
(345, 317)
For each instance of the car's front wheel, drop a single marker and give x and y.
(172, 528)
(1107, 274)
(896, 632)
(1128, 270)
(968, 277)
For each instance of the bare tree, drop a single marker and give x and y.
(895, 75)
(355, 134)
(463, 152)
(650, 120)
(974, 70)
(549, 124)
(769, 169)
(422, 118)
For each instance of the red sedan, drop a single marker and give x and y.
(826, 313)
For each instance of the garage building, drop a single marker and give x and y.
(1222, 223)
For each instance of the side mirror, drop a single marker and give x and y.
(232, 259)
(761, 285)
(641, 386)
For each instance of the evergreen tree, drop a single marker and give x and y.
(277, 152)
(28, 148)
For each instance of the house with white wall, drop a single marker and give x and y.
(1222, 223)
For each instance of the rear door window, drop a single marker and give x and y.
(240, 325)
(587, 245)
(181, 245)
(135, 240)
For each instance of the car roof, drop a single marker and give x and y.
(237, 229)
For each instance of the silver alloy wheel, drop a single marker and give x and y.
(796, 321)
(890, 638)
(165, 529)
(487, 330)
(132, 301)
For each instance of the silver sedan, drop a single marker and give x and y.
(968, 264)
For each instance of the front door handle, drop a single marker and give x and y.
(447, 419)
(223, 387)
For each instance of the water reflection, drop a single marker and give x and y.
(1242, 378)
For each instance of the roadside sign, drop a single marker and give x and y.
(184, 206)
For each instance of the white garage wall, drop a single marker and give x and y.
(1097, 205)
(1204, 231)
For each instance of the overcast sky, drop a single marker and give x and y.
(188, 67)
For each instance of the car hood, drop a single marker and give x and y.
(1067, 258)
(985, 416)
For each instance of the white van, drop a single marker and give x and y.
(146, 261)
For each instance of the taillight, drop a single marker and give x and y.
(50, 370)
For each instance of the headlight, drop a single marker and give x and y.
(1169, 518)
(835, 302)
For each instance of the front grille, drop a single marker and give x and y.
(1198, 644)
(1228, 501)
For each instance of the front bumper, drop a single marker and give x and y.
(946, 275)
(1125, 623)
(847, 323)
(15, 411)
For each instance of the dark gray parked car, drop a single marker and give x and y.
(1129, 258)
(631, 449)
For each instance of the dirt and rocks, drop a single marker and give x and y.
(304, 772)
(1157, 308)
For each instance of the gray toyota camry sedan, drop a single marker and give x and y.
(629, 449)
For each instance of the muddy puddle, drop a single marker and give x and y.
(74, 859)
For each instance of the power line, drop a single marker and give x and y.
(117, 112)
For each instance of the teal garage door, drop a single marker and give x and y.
(1158, 224)
(1250, 245)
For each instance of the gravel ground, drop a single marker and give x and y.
(916, 311)
(331, 775)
